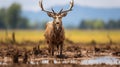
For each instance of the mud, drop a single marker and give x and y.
(77, 54)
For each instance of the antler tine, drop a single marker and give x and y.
(41, 5)
(52, 10)
(61, 10)
(71, 6)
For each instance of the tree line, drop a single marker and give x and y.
(11, 18)
(99, 24)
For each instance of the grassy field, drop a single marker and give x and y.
(84, 36)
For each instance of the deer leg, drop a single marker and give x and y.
(58, 49)
(61, 48)
(49, 49)
(52, 50)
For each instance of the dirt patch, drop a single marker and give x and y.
(20, 53)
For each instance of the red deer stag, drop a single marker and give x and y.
(54, 33)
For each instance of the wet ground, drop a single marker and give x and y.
(58, 65)
(104, 61)
(108, 60)
(73, 56)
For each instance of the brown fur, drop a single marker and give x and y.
(54, 38)
(54, 33)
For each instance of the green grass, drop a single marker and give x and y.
(83, 36)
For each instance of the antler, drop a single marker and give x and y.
(71, 6)
(53, 10)
(41, 5)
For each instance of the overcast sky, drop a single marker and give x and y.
(32, 5)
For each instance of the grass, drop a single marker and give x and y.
(22, 35)
(99, 36)
(84, 36)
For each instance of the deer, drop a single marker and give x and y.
(54, 31)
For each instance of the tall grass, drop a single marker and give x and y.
(100, 36)
(83, 36)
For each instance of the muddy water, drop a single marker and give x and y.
(90, 61)
(102, 60)
(109, 60)
(96, 60)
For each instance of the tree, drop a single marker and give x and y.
(23, 23)
(2, 18)
(13, 15)
(82, 25)
(11, 18)
(98, 24)
(91, 24)
(118, 24)
(111, 24)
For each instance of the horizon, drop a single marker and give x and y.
(82, 10)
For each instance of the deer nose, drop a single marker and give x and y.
(57, 22)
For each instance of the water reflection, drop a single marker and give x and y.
(59, 61)
(98, 60)
(101, 60)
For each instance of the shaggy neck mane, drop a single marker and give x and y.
(57, 32)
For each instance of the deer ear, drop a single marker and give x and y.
(50, 14)
(63, 14)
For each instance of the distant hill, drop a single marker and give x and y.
(79, 13)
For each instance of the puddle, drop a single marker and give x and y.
(98, 60)
(45, 62)
(101, 60)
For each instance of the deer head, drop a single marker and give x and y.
(57, 22)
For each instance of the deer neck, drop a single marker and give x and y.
(57, 31)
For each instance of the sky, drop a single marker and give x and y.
(33, 5)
